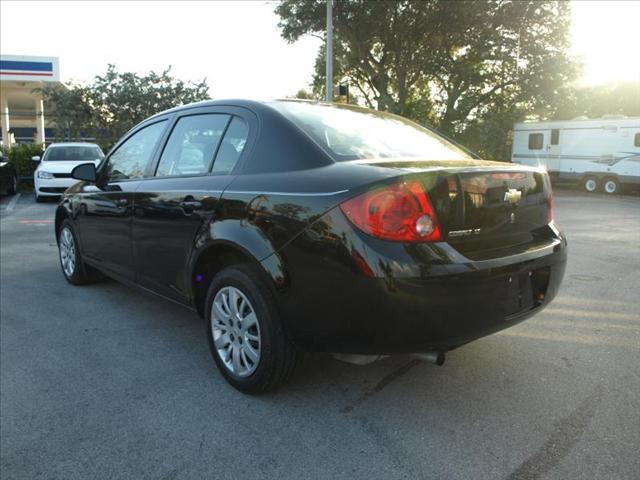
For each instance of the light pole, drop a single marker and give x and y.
(329, 52)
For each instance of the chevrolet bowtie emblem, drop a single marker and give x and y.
(512, 195)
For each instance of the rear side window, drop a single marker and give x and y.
(555, 136)
(352, 133)
(535, 141)
(132, 157)
(192, 145)
(232, 146)
(636, 140)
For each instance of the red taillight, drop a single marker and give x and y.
(400, 212)
(550, 211)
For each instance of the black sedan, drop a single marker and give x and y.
(8, 177)
(293, 226)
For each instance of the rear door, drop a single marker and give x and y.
(176, 205)
(104, 211)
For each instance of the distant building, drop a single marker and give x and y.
(21, 109)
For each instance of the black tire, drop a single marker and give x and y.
(278, 355)
(591, 184)
(611, 186)
(13, 186)
(82, 274)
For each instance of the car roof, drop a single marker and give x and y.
(278, 155)
(238, 102)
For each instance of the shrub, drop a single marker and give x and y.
(20, 157)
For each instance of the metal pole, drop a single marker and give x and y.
(329, 52)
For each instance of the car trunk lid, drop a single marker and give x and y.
(483, 206)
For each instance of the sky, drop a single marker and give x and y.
(606, 35)
(237, 45)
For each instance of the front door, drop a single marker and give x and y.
(174, 208)
(104, 211)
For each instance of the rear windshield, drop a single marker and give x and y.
(74, 154)
(349, 133)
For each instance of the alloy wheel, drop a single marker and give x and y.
(590, 185)
(67, 247)
(236, 331)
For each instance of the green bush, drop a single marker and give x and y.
(20, 157)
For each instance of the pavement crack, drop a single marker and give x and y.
(381, 385)
(566, 434)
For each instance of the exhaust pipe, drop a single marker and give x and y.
(437, 358)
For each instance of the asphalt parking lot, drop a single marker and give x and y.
(106, 382)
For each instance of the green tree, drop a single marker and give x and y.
(115, 102)
(595, 101)
(72, 109)
(121, 100)
(447, 63)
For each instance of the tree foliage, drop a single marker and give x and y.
(122, 100)
(304, 94)
(71, 109)
(594, 102)
(116, 101)
(453, 64)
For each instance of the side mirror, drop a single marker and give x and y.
(35, 159)
(86, 172)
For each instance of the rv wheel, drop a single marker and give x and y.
(611, 186)
(590, 184)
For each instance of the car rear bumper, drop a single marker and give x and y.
(358, 295)
(440, 313)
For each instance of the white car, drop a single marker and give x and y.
(53, 175)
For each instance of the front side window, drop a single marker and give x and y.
(192, 145)
(350, 133)
(132, 157)
(535, 141)
(88, 153)
(232, 146)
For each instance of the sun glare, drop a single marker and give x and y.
(606, 36)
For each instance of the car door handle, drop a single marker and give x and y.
(189, 204)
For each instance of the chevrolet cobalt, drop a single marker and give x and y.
(293, 226)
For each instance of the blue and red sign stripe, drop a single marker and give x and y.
(17, 67)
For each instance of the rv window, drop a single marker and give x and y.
(555, 136)
(535, 141)
(636, 140)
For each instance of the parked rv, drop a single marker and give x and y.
(600, 154)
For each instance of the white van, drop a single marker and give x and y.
(602, 153)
